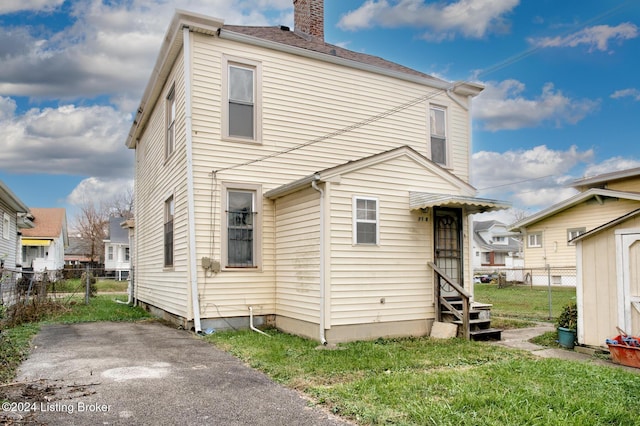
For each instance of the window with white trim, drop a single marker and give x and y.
(126, 254)
(110, 255)
(241, 91)
(169, 210)
(365, 220)
(242, 230)
(438, 126)
(534, 239)
(6, 226)
(573, 233)
(171, 121)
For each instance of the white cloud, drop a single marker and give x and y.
(596, 38)
(109, 48)
(613, 164)
(98, 190)
(13, 6)
(532, 178)
(66, 140)
(631, 93)
(470, 18)
(502, 105)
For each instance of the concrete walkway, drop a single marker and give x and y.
(519, 339)
(145, 373)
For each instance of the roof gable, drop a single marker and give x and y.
(48, 223)
(605, 178)
(333, 173)
(571, 202)
(276, 38)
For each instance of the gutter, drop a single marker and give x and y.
(322, 319)
(193, 263)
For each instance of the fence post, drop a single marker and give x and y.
(549, 287)
(87, 285)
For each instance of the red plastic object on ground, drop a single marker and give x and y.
(624, 353)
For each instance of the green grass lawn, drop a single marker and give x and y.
(423, 381)
(75, 285)
(524, 302)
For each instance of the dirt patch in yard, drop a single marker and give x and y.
(22, 400)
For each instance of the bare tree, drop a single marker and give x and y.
(92, 221)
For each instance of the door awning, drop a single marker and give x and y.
(424, 200)
(31, 242)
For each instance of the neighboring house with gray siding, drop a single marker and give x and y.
(116, 249)
(15, 217)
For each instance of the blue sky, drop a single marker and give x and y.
(561, 98)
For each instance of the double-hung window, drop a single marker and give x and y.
(438, 125)
(110, 255)
(241, 233)
(365, 220)
(573, 233)
(6, 226)
(242, 100)
(168, 231)
(534, 239)
(171, 121)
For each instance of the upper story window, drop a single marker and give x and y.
(168, 231)
(535, 239)
(6, 226)
(242, 107)
(171, 121)
(365, 220)
(574, 232)
(438, 125)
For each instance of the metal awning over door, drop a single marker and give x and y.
(424, 200)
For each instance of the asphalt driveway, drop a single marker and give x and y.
(146, 373)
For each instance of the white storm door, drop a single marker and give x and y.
(628, 267)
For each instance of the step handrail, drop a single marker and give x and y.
(466, 302)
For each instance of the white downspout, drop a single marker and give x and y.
(322, 275)
(193, 263)
(253, 327)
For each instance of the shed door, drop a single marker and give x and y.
(629, 282)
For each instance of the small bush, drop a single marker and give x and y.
(568, 317)
(93, 289)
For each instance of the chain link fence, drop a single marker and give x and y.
(22, 292)
(556, 276)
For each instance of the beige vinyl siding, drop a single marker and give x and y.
(156, 180)
(599, 285)
(389, 281)
(298, 256)
(589, 214)
(631, 184)
(294, 112)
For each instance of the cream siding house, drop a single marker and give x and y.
(234, 127)
(547, 235)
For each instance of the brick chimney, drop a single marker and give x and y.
(308, 17)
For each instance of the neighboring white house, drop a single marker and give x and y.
(15, 217)
(494, 247)
(43, 245)
(300, 182)
(116, 249)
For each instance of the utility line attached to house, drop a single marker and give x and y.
(497, 66)
(344, 130)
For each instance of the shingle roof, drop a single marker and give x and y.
(303, 41)
(117, 234)
(48, 222)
